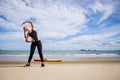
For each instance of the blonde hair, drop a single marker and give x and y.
(24, 31)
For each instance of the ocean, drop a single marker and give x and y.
(65, 55)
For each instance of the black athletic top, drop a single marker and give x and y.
(33, 34)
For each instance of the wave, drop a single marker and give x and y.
(64, 55)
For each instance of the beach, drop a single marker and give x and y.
(75, 65)
(76, 70)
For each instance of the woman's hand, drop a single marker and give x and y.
(23, 22)
(27, 41)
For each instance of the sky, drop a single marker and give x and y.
(61, 24)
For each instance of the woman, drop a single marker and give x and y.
(35, 42)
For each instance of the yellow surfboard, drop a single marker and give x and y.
(48, 60)
(53, 60)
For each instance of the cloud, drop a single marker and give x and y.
(8, 25)
(103, 40)
(12, 36)
(45, 16)
(52, 20)
(105, 8)
(60, 24)
(61, 19)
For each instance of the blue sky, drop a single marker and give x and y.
(61, 24)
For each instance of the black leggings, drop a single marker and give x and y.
(32, 49)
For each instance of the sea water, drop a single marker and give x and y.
(65, 55)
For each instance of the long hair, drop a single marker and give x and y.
(24, 32)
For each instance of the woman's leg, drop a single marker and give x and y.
(32, 49)
(39, 46)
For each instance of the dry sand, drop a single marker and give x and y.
(104, 70)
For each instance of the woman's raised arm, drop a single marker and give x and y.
(30, 23)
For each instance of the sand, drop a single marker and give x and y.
(104, 70)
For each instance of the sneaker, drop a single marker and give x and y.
(27, 65)
(42, 65)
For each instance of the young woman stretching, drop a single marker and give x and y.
(35, 42)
